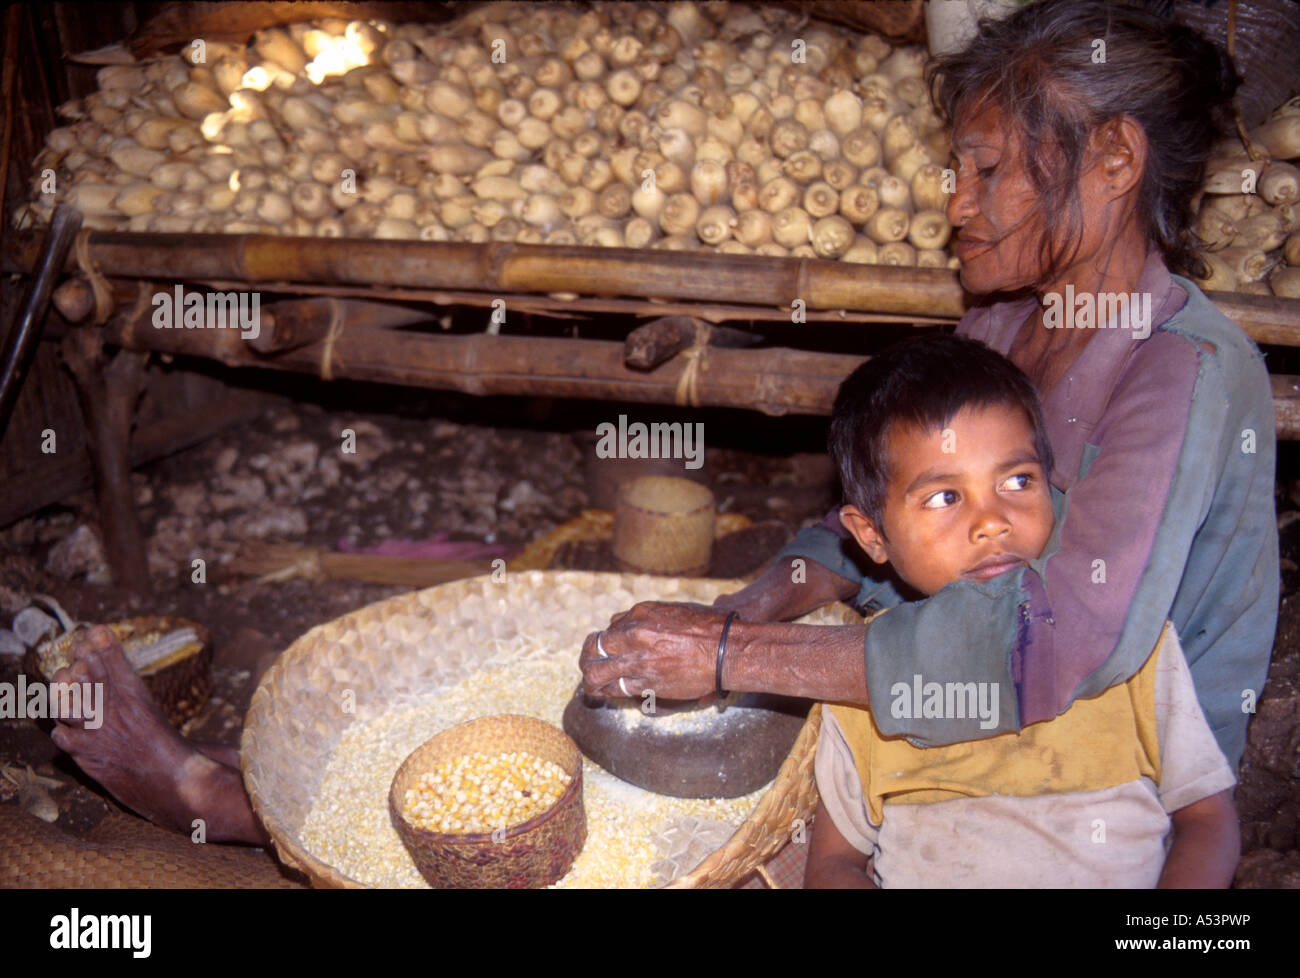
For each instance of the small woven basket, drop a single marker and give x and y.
(663, 525)
(531, 854)
(180, 684)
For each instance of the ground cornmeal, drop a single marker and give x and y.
(348, 825)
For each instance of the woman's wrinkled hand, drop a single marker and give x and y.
(668, 648)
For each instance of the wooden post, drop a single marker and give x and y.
(107, 394)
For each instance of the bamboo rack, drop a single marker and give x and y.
(775, 381)
(498, 268)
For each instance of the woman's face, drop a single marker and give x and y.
(998, 226)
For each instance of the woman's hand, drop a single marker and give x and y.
(673, 649)
(668, 648)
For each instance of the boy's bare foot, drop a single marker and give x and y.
(140, 759)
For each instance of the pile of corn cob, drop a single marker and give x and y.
(677, 126)
(1249, 219)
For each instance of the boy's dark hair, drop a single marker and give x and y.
(923, 381)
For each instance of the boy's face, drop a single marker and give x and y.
(968, 501)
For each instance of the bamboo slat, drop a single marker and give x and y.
(500, 268)
(503, 267)
(562, 305)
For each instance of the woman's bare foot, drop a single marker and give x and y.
(140, 759)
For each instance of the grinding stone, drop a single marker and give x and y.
(711, 755)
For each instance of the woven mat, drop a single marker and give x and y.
(124, 852)
(784, 871)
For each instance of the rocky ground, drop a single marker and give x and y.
(497, 473)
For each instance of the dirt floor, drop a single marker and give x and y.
(494, 472)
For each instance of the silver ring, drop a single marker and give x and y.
(623, 686)
(600, 648)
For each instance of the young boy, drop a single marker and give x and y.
(943, 456)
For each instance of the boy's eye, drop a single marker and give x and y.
(1019, 481)
(986, 171)
(940, 500)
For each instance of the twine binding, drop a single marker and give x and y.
(336, 327)
(99, 286)
(687, 384)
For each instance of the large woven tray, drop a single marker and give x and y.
(405, 649)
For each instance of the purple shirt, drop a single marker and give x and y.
(1164, 458)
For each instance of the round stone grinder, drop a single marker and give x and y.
(688, 749)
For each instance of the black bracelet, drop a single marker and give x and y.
(722, 651)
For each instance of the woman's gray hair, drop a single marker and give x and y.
(1043, 68)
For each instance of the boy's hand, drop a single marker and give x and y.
(833, 864)
(775, 595)
(1206, 845)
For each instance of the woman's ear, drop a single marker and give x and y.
(1122, 149)
(865, 531)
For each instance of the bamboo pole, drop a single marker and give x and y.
(507, 267)
(775, 381)
(501, 268)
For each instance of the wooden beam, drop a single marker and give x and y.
(292, 323)
(501, 267)
(775, 381)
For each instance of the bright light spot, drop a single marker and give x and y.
(337, 57)
(243, 106)
(257, 78)
(234, 180)
(212, 125)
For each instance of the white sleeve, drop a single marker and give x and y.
(1192, 766)
(841, 788)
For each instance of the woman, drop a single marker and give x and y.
(1076, 164)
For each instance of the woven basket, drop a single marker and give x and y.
(399, 651)
(597, 524)
(663, 525)
(786, 807)
(180, 684)
(534, 853)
